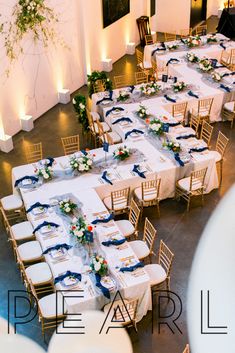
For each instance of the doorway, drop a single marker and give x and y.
(198, 12)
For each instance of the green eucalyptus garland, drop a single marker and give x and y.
(98, 75)
(79, 104)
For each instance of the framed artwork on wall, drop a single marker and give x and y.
(152, 7)
(113, 10)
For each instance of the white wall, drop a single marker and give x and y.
(213, 6)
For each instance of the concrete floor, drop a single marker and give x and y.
(179, 229)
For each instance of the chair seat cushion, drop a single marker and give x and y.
(152, 195)
(106, 128)
(11, 202)
(217, 156)
(156, 273)
(108, 203)
(126, 227)
(23, 230)
(229, 106)
(185, 184)
(30, 251)
(140, 249)
(145, 65)
(39, 273)
(48, 307)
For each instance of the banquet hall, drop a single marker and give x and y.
(116, 198)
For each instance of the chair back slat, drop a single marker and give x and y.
(179, 110)
(201, 30)
(126, 312)
(206, 132)
(149, 234)
(194, 123)
(99, 86)
(221, 143)
(140, 77)
(225, 58)
(33, 152)
(170, 37)
(120, 198)
(70, 144)
(148, 39)
(121, 81)
(165, 257)
(139, 56)
(197, 179)
(204, 106)
(134, 214)
(150, 188)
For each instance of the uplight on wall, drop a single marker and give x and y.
(26, 122)
(130, 48)
(64, 96)
(6, 144)
(107, 65)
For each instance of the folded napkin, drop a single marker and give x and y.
(84, 152)
(103, 289)
(200, 149)
(44, 224)
(57, 247)
(156, 50)
(222, 46)
(105, 177)
(226, 88)
(110, 98)
(185, 137)
(174, 124)
(169, 98)
(228, 74)
(33, 178)
(49, 161)
(163, 45)
(68, 274)
(122, 119)
(103, 220)
(36, 205)
(172, 60)
(133, 131)
(132, 268)
(132, 87)
(137, 171)
(191, 94)
(177, 158)
(113, 242)
(113, 109)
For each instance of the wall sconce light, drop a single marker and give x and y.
(27, 123)
(64, 96)
(130, 48)
(6, 143)
(107, 65)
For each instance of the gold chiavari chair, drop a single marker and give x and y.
(93, 128)
(220, 148)
(33, 152)
(170, 37)
(10, 215)
(123, 312)
(148, 194)
(179, 111)
(22, 232)
(141, 64)
(99, 86)
(186, 350)
(104, 136)
(70, 144)
(193, 185)
(149, 39)
(145, 248)
(51, 309)
(203, 110)
(228, 112)
(206, 133)
(232, 62)
(121, 81)
(140, 77)
(130, 227)
(225, 58)
(118, 201)
(186, 32)
(161, 70)
(195, 123)
(232, 51)
(201, 30)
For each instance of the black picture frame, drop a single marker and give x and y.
(152, 7)
(113, 10)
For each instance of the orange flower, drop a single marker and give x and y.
(147, 121)
(89, 228)
(165, 118)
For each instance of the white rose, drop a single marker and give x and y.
(81, 167)
(74, 220)
(80, 234)
(67, 209)
(89, 162)
(46, 176)
(97, 266)
(74, 102)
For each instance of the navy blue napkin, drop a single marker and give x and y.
(84, 152)
(198, 149)
(104, 177)
(113, 109)
(132, 268)
(181, 39)
(68, 274)
(226, 88)
(36, 205)
(156, 50)
(137, 171)
(33, 178)
(185, 137)
(103, 289)
(45, 224)
(177, 158)
(169, 98)
(173, 124)
(122, 119)
(172, 60)
(103, 220)
(132, 131)
(222, 46)
(163, 45)
(113, 242)
(50, 161)
(191, 94)
(132, 88)
(106, 98)
(57, 247)
(228, 74)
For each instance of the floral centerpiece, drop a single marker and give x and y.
(172, 47)
(205, 65)
(82, 230)
(142, 112)
(179, 86)
(216, 76)
(156, 126)
(67, 206)
(150, 89)
(46, 172)
(192, 58)
(172, 146)
(82, 163)
(193, 41)
(123, 96)
(212, 39)
(98, 75)
(99, 265)
(121, 153)
(79, 104)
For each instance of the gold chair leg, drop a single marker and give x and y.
(158, 209)
(188, 205)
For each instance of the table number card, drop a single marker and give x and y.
(106, 146)
(164, 78)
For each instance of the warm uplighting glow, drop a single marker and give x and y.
(2, 132)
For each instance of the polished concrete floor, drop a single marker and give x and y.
(179, 229)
